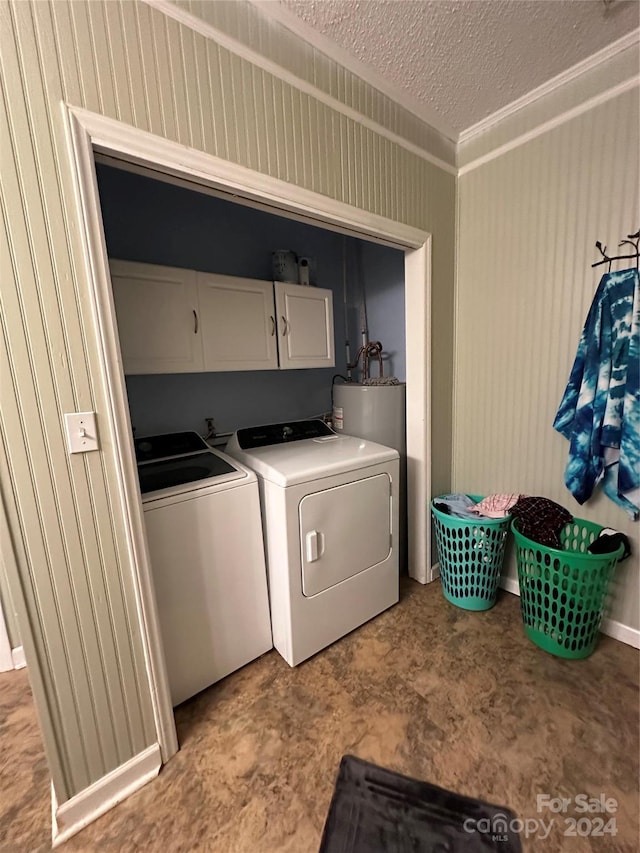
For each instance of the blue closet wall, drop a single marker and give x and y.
(155, 222)
(379, 272)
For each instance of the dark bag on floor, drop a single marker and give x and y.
(374, 810)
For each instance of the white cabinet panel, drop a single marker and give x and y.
(305, 326)
(238, 323)
(174, 320)
(156, 309)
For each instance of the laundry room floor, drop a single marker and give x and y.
(460, 699)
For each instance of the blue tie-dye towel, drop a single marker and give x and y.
(600, 410)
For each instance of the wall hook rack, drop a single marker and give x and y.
(632, 240)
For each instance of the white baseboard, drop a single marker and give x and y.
(510, 584)
(19, 661)
(433, 573)
(628, 636)
(6, 658)
(425, 576)
(80, 810)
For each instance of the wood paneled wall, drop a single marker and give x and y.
(528, 221)
(129, 61)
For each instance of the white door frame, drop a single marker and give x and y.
(89, 132)
(6, 657)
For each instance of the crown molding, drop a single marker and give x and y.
(552, 85)
(302, 30)
(347, 60)
(166, 7)
(545, 127)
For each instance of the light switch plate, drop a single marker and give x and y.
(82, 432)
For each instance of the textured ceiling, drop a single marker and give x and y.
(462, 60)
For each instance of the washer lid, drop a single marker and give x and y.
(176, 463)
(312, 458)
(180, 470)
(151, 447)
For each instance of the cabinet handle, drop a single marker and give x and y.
(285, 325)
(195, 322)
(273, 325)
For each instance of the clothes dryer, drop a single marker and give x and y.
(330, 519)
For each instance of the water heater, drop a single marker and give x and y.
(377, 413)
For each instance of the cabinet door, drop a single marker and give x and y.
(158, 324)
(238, 323)
(305, 326)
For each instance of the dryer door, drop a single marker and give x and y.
(343, 531)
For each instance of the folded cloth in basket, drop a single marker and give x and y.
(457, 505)
(496, 506)
(608, 541)
(541, 519)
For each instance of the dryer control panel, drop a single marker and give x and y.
(263, 436)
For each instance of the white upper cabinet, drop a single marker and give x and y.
(181, 321)
(305, 326)
(156, 308)
(238, 323)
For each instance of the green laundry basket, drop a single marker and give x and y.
(563, 590)
(471, 555)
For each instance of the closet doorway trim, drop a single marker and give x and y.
(90, 133)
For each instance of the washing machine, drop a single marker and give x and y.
(330, 521)
(204, 532)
